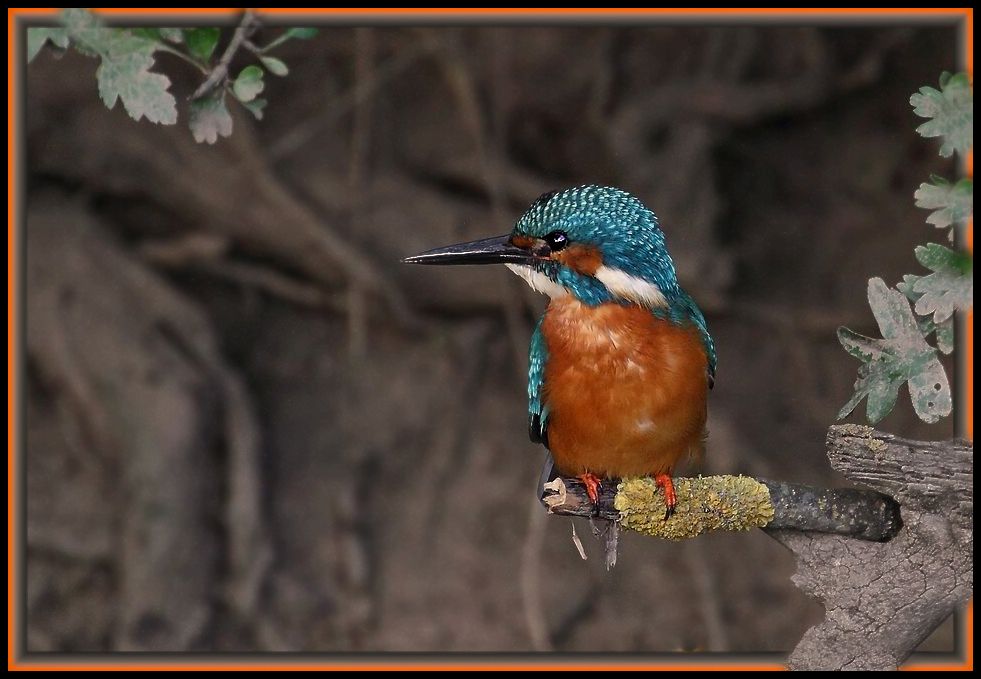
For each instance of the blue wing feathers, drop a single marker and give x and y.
(537, 411)
(684, 310)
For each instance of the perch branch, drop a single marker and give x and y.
(727, 503)
(889, 563)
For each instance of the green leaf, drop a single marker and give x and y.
(951, 285)
(175, 35)
(201, 42)
(36, 37)
(952, 205)
(248, 84)
(944, 330)
(301, 33)
(951, 109)
(255, 107)
(901, 356)
(289, 34)
(210, 118)
(148, 33)
(274, 65)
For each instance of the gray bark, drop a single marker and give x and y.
(883, 599)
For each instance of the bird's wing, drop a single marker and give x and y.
(710, 352)
(537, 410)
(690, 311)
(709, 345)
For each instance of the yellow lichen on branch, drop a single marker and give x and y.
(704, 504)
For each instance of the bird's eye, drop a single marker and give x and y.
(557, 240)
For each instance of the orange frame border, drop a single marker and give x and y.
(14, 15)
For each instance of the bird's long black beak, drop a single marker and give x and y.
(498, 250)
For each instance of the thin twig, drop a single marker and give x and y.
(184, 57)
(220, 72)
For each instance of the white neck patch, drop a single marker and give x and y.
(634, 288)
(617, 281)
(538, 281)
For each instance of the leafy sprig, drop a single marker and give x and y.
(128, 62)
(951, 113)
(904, 355)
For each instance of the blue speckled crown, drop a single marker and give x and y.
(624, 230)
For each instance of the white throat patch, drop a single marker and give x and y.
(538, 281)
(634, 288)
(618, 282)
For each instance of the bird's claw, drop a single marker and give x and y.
(670, 498)
(592, 483)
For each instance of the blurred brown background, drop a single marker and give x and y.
(250, 428)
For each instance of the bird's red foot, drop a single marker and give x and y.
(670, 499)
(592, 483)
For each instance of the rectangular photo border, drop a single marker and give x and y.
(17, 656)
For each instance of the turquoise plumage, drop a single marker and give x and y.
(620, 363)
(537, 413)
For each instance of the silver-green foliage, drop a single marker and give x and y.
(904, 355)
(127, 56)
(951, 285)
(951, 113)
(210, 118)
(952, 204)
(36, 37)
(124, 72)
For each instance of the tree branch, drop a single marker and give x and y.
(219, 73)
(889, 563)
(727, 503)
(883, 599)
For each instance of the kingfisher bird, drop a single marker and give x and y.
(621, 361)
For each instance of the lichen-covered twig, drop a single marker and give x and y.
(728, 503)
(704, 504)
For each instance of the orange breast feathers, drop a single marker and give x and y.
(625, 390)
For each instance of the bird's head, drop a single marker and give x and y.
(597, 243)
